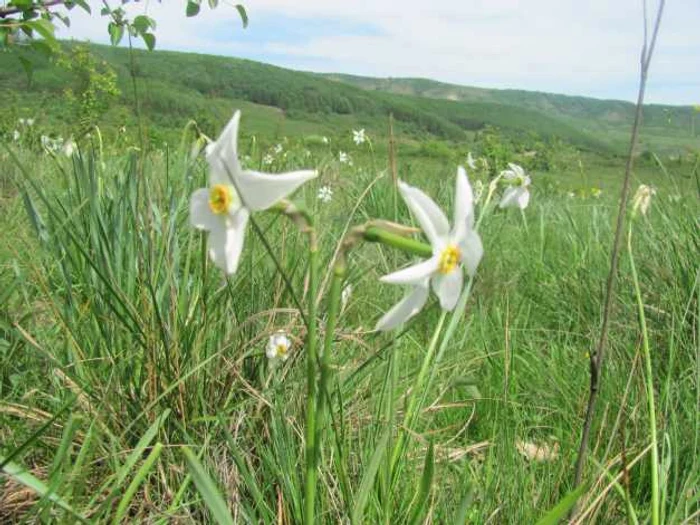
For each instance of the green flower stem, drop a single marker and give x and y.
(416, 391)
(311, 401)
(375, 234)
(649, 380)
(333, 309)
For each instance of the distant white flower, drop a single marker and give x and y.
(22, 121)
(224, 207)
(452, 250)
(278, 149)
(122, 129)
(16, 135)
(268, 159)
(325, 140)
(517, 193)
(278, 346)
(45, 140)
(642, 199)
(571, 195)
(343, 157)
(359, 137)
(470, 161)
(325, 194)
(478, 191)
(345, 296)
(30, 122)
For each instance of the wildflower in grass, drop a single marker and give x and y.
(325, 194)
(471, 163)
(30, 122)
(343, 157)
(16, 135)
(278, 149)
(224, 207)
(278, 346)
(571, 195)
(68, 148)
(642, 199)
(359, 137)
(452, 250)
(268, 159)
(325, 140)
(517, 193)
(596, 193)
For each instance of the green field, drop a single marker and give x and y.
(124, 352)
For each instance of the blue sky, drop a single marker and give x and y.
(586, 48)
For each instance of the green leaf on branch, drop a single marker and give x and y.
(142, 23)
(44, 28)
(150, 40)
(116, 32)
(192, 8)
(244, 15)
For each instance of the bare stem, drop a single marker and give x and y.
(596, 360)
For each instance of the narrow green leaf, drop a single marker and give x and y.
(368, 478)
(192, 8)
(560, 510)
(44, 28)
(136, 482)
(208, 490)
(24, 477)
(243, 14)
(426, 483)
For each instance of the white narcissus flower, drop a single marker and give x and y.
(517, 193)
(278, 346)
(359, 137)
(470, 161)
(452, 250)
(343, 157)
(325, 194)
(224, 207)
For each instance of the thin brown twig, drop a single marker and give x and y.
(596, 361)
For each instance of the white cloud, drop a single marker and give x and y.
(587, 48)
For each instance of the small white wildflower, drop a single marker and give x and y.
(278, 346)
(325, 194)
(343, 157)
(345, 296)
(69, 148)
(359, 137)
(470, 161)
(15, 135)
(22, 122)
(278, 149)
(30, 122)
(268, 159)
(642, 199)
(325, 140)
(517, 193)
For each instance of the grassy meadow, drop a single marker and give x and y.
(134, 385)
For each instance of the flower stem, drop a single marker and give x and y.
(416, 391)
(375, 234)
(311, 401)
(649, 380)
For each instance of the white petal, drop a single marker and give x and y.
(259, 191)
(226, 242)
(448, 288)
(406, 308)
(428, 214)
(472, 251)
(510, 197)
(413, 274)
(464, 205)
(222, 155)
(201, 216)
(523, 198)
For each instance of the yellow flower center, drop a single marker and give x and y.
(449, 259)
(220, 198)
(282, 349)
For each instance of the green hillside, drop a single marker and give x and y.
(175, 87)
(665, 127)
